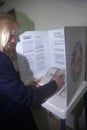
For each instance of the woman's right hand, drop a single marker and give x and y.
(59, 81)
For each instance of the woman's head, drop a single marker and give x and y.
(8, 27)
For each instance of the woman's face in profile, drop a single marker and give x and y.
(10, 41)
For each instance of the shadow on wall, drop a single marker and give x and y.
(26, 24)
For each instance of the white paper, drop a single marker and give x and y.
(41, 50)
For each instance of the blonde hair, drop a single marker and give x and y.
(8, 25)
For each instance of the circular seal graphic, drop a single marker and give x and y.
(76, 61)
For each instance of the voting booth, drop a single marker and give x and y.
(37, 51)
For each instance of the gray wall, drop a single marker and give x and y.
(51, 14)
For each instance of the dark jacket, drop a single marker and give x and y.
(16, 99)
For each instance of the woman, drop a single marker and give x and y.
(16, 99)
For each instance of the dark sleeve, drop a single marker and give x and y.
(12, 86)
(46, 91)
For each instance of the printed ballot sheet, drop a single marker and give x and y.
(57, 48)
(64, 48)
